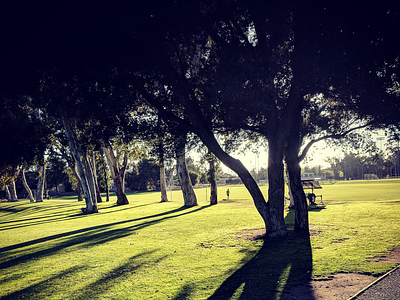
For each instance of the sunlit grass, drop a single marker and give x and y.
(152, 250)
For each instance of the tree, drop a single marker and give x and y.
(212, 179)
(185, 182)
(117, 162)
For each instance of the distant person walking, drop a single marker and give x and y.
(227, 193)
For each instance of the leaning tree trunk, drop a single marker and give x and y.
(189, 197)
(41, 182)
(211, 179)
(27, 188)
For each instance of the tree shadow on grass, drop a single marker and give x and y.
(278, 265)
(117, 275)
(85, 237)
(45, 288)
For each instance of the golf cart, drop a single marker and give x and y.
(311, 184)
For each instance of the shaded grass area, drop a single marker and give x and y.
(152, 250)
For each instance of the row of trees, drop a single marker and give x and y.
(174, 73)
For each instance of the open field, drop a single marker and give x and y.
(152, 250)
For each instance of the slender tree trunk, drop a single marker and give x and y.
(41, 182)
(96, 182)
(11, 192)
(117, 174)
(91, 179)
(189, 196)
(213, 183)
(84, 173)
(27, 188)
(8, 195)
(107, 186)
(163, 185)
(291, 204)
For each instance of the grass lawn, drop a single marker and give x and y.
(152, 250)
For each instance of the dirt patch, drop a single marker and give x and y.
(340, 286)
(394, 257)
(251, 234)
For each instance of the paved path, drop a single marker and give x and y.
(385, 288)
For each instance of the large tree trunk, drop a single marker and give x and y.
(82, 167)
(163, 184)
(276, 188)
(41, 182)
(296, 187)
(211, 179)
(117, 174)
(27, 188)
(293, 142)
(189, 197)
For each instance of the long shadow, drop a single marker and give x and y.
(86, 237)
(58, 217)
(116, 275)
(43, 289)
(280, 264)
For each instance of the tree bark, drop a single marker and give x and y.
(107, 186)
(96, 182)
(41, 182)
(297, 192)
(117, 174)
(291, 197)
(213, 183)
(276, 187)
(27, 188)
(8, 195)
(12, 193)
(163, 185)
(82, 167)
(189, 196)
(294, 121)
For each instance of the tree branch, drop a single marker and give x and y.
(331, 136)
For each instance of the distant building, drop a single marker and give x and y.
(307, 176)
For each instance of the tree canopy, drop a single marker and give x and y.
(287, 71)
